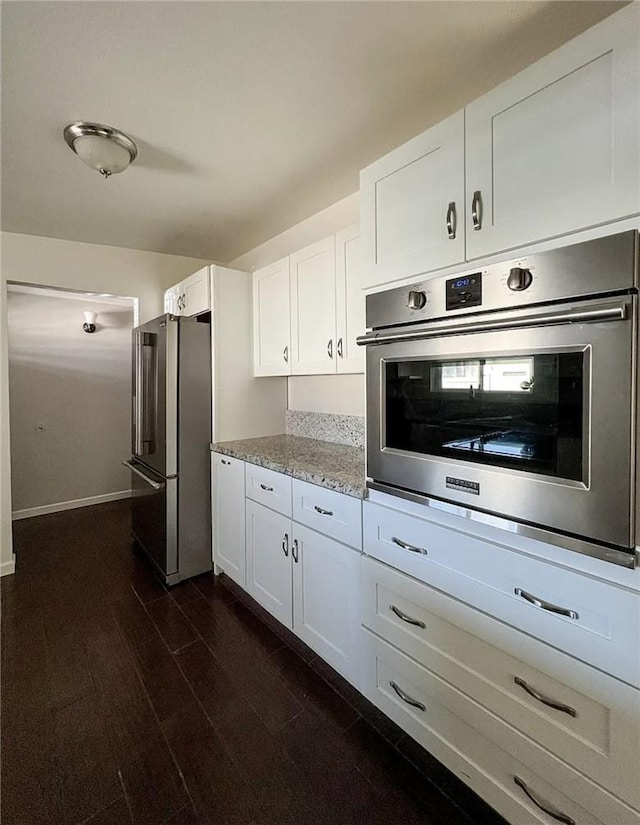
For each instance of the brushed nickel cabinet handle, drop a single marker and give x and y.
(285, 544)
(551, 608)
(223, 461)
(476, 209)
(406, 698)
(285, 354)
(322, 511)
(411, 547)
(544, 699)
(330, 348)
(294, 551)
(339, 348)
(545, 806)
(406, 618)
(451, 221)
(267, 488)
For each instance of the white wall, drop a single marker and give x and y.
(80, 266)
(341, 394)
(69, 395)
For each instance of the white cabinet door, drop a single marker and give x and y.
(556, 148)
(228, 520)
(412, 206)
(349, 301)
(268, 540)
(272, 319)
(171, 303)
(196, 292)
(313, 308)
(326, 598)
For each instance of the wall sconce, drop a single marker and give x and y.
(89, 321)
(103, 148)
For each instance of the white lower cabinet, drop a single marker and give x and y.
(269, 573)
(326, 610)
(227, 518)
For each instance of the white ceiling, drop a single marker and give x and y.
(249, 116)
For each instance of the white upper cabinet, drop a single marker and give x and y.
(556, 148)
(412, 206)
(271, 320)
(191, 296)
(350, 301)
(313, 308)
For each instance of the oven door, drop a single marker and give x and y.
(526, 414)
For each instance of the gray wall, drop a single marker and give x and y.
(77, 388)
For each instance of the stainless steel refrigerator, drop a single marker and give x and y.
(171, 430)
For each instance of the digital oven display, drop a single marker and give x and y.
(464, 292)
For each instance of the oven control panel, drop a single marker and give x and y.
(464, 291)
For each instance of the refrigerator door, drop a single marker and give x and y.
(155, 517)
(155, 402)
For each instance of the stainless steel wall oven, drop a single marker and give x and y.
(511, 390)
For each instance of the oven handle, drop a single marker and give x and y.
(617, 312)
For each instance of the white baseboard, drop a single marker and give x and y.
(68, 505)
(7, 568)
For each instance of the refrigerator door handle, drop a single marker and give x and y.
(157, 485)
(138, 409)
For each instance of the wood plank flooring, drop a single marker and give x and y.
(124, 702)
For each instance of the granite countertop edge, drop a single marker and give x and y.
(302, 461)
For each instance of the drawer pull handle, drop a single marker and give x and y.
(406, 698)
(267, 488)
(406, 618)
(451, 220)
(548, 809)
(410, 547)
(285, 544)
(294, 551)
(552, 608)
(476, 209)
(321, 511)
(222, 461)
(544, 699)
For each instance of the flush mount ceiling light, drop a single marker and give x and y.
(101, 147)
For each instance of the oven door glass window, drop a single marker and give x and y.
(522, 412)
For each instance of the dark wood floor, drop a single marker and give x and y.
(123, 702)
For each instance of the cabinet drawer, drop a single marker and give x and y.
(596, 722)
(269, 488)
(328, 512)
(604, 624)
(430, 712)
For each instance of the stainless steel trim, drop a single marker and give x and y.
(406, 698)
(543, 605)
(322, 511)
(451, 220)
(616, 312)
(285, 354)
(399, 613)
(339, 348)
(294, 551)
(476, 209)
(544, 699)
(411, 547)
(171, 395)
(285, 544)
(266, 487)
(138, 423)
(586, 548)
(155, 484)
(330, 348)
(548, 809)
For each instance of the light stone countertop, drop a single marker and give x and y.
(338, 467)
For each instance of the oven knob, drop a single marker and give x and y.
(416, 299)
(519, 279)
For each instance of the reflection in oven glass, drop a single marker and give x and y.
(520, 412)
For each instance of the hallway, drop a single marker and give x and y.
(123, 702)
